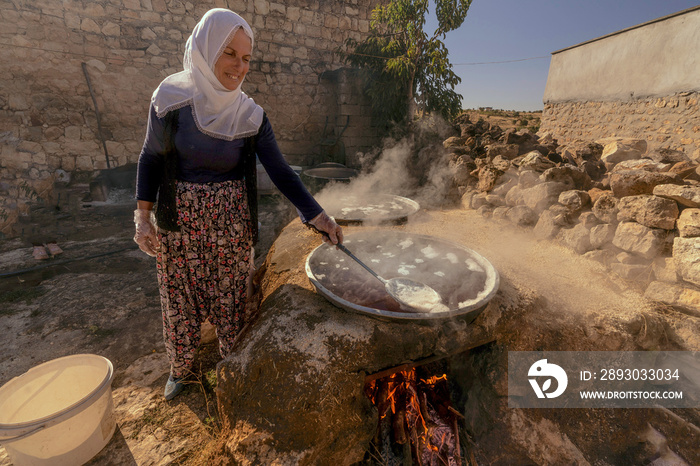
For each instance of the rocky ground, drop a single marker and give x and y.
(620, 201)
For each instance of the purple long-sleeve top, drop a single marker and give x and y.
(204, 159)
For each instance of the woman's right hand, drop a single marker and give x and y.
(326, 224)
(146, 236)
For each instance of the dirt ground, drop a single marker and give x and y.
(101, 297)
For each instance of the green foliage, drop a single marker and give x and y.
(403, 67)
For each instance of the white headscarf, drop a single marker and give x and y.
(218, 112)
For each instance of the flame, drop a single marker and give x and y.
(434, 379)
(400, 392)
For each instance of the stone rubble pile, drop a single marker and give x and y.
(634, 209)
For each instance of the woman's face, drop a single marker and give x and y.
(232, 66)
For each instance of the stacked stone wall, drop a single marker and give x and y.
(671, 122)
(48, 123)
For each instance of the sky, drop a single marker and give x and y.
(502, 30)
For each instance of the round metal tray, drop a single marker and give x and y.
(331, 173)
(357, 209)
(317, 178)
(465, 279)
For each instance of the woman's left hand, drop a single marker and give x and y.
(325, 223)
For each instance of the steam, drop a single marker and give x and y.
(416, 166)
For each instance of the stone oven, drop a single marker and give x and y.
(294, 389)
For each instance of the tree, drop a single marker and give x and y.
(404, 68)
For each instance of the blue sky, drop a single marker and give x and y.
(500, 30)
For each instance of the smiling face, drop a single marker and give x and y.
(232, 66)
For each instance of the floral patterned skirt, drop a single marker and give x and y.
(203, 269)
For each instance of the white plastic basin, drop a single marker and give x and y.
(58, 413)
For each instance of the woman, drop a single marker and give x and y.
(202, 137)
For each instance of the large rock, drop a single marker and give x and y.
(648, 210)
(616, 152)
(637, 144)
(633, 182)
(667, 156)
(543, 195)
(521, 215)
(586, 155)
(686, 256)
(635, 272)
(602, 235)
(631, 259)
(689, 223)
(564, 173)
(588, 219)
(688, 196)
(638, 239)
(500, 213)
(292, 391)
(466, 200)
(576, 238)
(523, 138)
(685, 170)
(605, 208)
(682, 298)
(454, 141)
(488, 177)
(642, 164)
(461, 168)
(528, 178)
(582, 151)
(508, 151)
(535, 161)
(574, 200)
(551, 221)
(514, 196)
(664, 269)
(505, 184)
(596, 193)
(559, 175)
(501, 163)
(494, 200)
(478, 201)
(595, 169)
(485, 211)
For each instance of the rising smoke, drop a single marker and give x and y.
(415, 166)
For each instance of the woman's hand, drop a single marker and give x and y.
(146, 236)
(325, 223)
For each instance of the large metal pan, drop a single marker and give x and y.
(464, 278)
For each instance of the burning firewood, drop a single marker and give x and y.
(418, 412)
(399, 427)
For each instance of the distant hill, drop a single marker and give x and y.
(507, 118)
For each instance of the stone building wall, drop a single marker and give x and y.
(48, 124)
(642, 82)
(664, 122)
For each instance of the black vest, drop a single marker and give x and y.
(166, 207)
